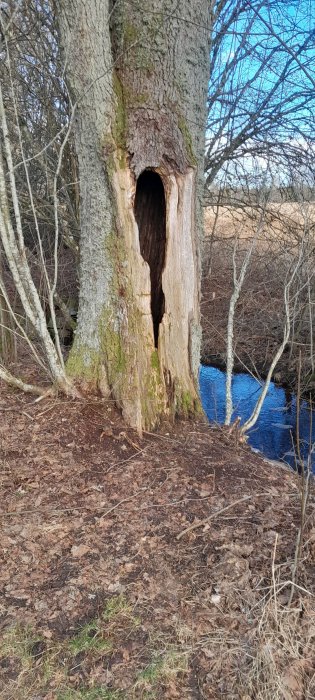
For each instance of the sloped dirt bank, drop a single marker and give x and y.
(103, 594)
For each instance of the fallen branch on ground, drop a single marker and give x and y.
(210, 517)
(10, 379)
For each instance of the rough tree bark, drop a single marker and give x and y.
(139, 75)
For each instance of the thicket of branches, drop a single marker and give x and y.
(258, 302)
(40, 192)
(38, 111)
(261, 94)
(260, 146)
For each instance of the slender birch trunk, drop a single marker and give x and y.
(289, 304)
(238, 281)
(12, 241)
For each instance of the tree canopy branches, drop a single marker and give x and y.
(261, 92)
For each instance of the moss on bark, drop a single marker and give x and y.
(187, 138)
(119, 122)
(188, 405)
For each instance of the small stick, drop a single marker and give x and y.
(273, 569)
(161, 437)
(124, 500)
(48, 511)
(210, 517)
(17, 410)
(123, 461)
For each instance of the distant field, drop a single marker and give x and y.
(280, 219)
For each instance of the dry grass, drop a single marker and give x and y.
(284, 663)
(275, 660)
(280, 219)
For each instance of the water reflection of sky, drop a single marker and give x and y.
(275, 430)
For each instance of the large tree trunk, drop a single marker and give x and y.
(140, 83)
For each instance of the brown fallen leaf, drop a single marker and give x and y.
(79, 550)
(293, 679)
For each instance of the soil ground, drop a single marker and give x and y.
(104, 594)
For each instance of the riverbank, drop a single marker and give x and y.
(153, 568)
(284, 375)
(260, 313)
(278, 433)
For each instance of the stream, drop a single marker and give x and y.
(275, 431)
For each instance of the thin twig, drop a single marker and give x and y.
(124, 500)
(273, 570)
(123, 461)
(17, 410)
(161, 437)
(66, 510)
(48, 511)
(210, 517)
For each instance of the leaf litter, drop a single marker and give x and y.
(147, 568)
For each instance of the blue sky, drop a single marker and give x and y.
(273, 47)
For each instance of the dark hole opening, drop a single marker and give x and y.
(150, 213)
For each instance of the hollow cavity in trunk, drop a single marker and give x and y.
(150, 213)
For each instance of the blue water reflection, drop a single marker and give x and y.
(275, 431)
